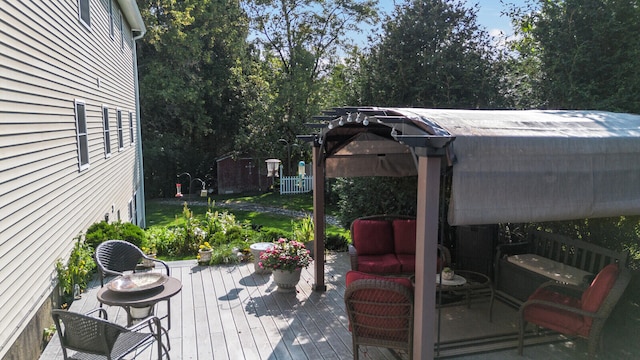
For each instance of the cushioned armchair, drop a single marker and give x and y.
(380, 311)
(572, 310)
(113, 257)
(91, 337)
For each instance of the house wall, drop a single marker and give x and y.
(48, 60)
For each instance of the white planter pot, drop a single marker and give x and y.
(286, 280)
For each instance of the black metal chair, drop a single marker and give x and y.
(96, 338)
(113, 257)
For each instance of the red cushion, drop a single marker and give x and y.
(404, 236)
(594, 296)
(353, 275)
(380, 264)
(553, 318)
(372, 237)
(375, 316)
(407, 263)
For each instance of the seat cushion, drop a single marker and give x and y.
(380, 264)
(555, 319)
(372, 237)
(407, 263)
(353, 275)
(404, 236)
(594, 296)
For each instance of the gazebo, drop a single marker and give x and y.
(507, 166)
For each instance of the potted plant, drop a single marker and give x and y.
(447, 274)
(151, 253)
(204, 253)
(286, 259)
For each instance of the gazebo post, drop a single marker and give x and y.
(318, 219)
(427, 219)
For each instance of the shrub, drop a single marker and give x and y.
(103, 231)
(336, 242)
(364, 196)
(77, 270)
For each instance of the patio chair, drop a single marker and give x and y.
(380, 311)
(113, 257)
(576, 311)
(95, 337)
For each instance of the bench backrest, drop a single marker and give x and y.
(574, 252)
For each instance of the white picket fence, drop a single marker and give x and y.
(296, 184)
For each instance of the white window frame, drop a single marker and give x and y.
(121, 32)
(81, 4)
(120, 131)
(131, 132)
(82, 134)
(107, 131)
(112, 27)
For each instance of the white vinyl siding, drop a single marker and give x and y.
(120, 131)
(107, 131)
(49, 60)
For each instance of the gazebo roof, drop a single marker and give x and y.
(508, 165)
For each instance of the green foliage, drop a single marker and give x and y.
(78, 268)
(336, 242)
(392, 196)
(303, 229)
(432, 53)
(103, 231)
(581, 54)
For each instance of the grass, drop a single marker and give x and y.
(168, 212)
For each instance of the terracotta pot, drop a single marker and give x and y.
(286, 280)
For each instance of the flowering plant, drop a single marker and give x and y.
(285, 255)
(205, 247)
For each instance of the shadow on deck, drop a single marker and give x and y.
(229, 312)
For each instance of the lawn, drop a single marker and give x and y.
(168, 212)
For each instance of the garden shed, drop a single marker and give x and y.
(507, 166)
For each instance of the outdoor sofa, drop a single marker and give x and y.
(386, 244)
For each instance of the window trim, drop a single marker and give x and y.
(86, 23)
(121, 32)
(120, 130)
(112, 27)
(106, 128)
(131, 132)
(82, 137)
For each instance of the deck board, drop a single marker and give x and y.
(230, 312)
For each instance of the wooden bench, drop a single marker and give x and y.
(520, 268)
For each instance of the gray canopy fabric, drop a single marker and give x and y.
(508, 165)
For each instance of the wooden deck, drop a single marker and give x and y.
(229, 312)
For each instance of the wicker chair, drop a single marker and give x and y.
(572, 310)
(96, 338)
(113, 257)
(380, 312)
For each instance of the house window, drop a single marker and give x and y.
(84, 13)
(111, 26)
(121, 33)
(107, 135)
(120, 134)
(82, 138)
(131, 137)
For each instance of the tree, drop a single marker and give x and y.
(192, 69)
(299, 41)
(431, 53)
(587, 53)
